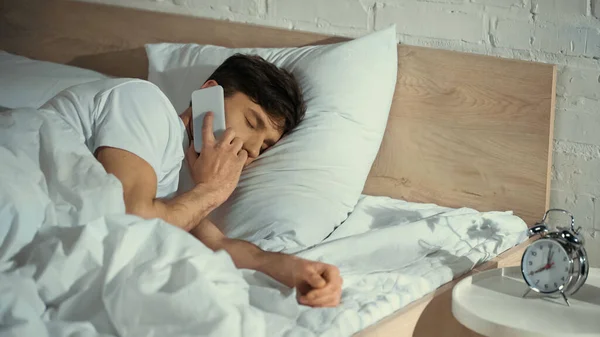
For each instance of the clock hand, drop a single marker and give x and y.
(541, 269)
(549, 256)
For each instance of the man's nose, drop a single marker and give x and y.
(253, 152)
(252, 155)
(253, 148)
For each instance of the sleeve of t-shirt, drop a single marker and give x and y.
(138, 118)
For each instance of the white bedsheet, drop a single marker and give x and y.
(392, 252)
(83, 268)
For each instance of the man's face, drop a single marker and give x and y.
(251, 124)
(249, 121)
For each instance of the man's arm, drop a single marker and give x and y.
(318, 284)
(215, 172)
(139, 191)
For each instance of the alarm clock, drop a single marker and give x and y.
(557, 262)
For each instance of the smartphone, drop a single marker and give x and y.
(204, 100)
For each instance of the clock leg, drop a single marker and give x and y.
(526, 293)
(565, 298)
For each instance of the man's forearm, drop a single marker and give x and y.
(138, 179)
(317, 284)
(246, 255)
(186, 210)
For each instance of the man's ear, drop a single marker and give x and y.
(208, 84)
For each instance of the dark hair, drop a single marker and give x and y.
(273, 88)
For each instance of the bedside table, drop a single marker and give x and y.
(491, 303)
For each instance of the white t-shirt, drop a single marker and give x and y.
(128, 114)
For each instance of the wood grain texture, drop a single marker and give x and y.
(464, 130)
(111, 39)
(468, 130)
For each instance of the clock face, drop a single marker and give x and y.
(546, 266)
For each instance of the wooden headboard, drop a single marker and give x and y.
(464, 129)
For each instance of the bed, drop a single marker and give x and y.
(478, 128)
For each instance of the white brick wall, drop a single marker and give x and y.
(563, 32)
(501, 3)
(250, 7)
(348, 13)
(556, 10)
(415, 18)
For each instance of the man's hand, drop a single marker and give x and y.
(317, 284)
(220, 163)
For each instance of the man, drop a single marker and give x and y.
(134, 132)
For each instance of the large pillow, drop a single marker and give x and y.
(27, 83)
(298, 191)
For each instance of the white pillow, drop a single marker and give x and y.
(298, 191)
(27, 83)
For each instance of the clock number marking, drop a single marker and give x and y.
(534, 253)
(537, 282)
(530, 263)
(545, 286)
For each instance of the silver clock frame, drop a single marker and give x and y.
(572, 243)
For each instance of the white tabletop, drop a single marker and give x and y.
(492, 304)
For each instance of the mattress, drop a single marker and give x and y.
(72, 263)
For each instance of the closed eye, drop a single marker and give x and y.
(249, 125)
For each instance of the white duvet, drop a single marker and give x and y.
(72, 264)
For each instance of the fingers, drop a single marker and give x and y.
(329, 300)
(228, 137)
(332, 274)
(315, 279)
(320, 286)
(190, 154)
(208, 137)
(242, 156)
(237, 144)
(327, 296)
(234, 144)
(334, 284)
(323, 292)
